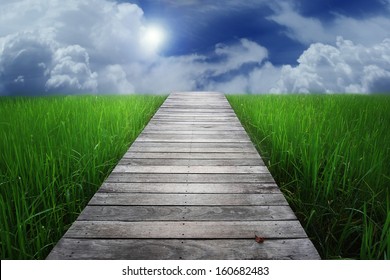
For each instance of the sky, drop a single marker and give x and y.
(50, 47)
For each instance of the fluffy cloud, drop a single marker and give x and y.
(71, 71)
(24, 63)
(113, 79)
(55, 46)
(309, 30)
(345, 67)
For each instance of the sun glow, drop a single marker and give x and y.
(152, 38)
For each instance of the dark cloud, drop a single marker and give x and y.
(24, 64)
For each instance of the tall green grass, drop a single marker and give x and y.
(54, 154)
(331, 157)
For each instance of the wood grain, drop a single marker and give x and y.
(186, 249)
(186, 199)
(189, 178)
(186, 229)
(186, 213)
(190, 169)
(192, 155)
(205, 188)
(190, 162)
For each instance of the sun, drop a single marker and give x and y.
(152, 38)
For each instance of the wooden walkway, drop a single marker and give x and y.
(192, 186)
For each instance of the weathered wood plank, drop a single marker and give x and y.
(191, 114)
(193, 155)
(160, 148)
(193, 132)
(216, 113)
(200, 125)
(175, 249)
(189, 178)
(161, 138)
(209, 147)
(190, 124)
(177, 169)
(205, 131)
(233, 137)
(195, 119)
(190, 162)
(187, 199)
(189, 188)
(186, 229)
(194, 127)
(187, 213)
(242, 146)
(182, 110)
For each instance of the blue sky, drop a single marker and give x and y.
(253, 46)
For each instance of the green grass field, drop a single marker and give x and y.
(54, 154)
(329, 154)
(331, 157)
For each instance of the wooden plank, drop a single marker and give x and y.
(193, 119)
(183, 121)
(192, 155)
(199, 123)
(187, 229)
(232, 137)
(221, 115)
(191, 114)
(193, 132)
(176, 169)
(187, 213)
(175, 249)
(217, 104)
(193, 110)
(161, 148)
(199, 128)
(204, 140)
(189, 188)
(190, 178)
(168, 112)
(191, 162)
(187, 199)
(167, 147)
(242, 146)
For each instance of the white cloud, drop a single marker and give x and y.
(237, 55)
(113, 79)
(307, 30)
(219, 6)
(192, 72)
(262, 79)
(303, 29)
(346, 67)
(57, 46)
(71, 71)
